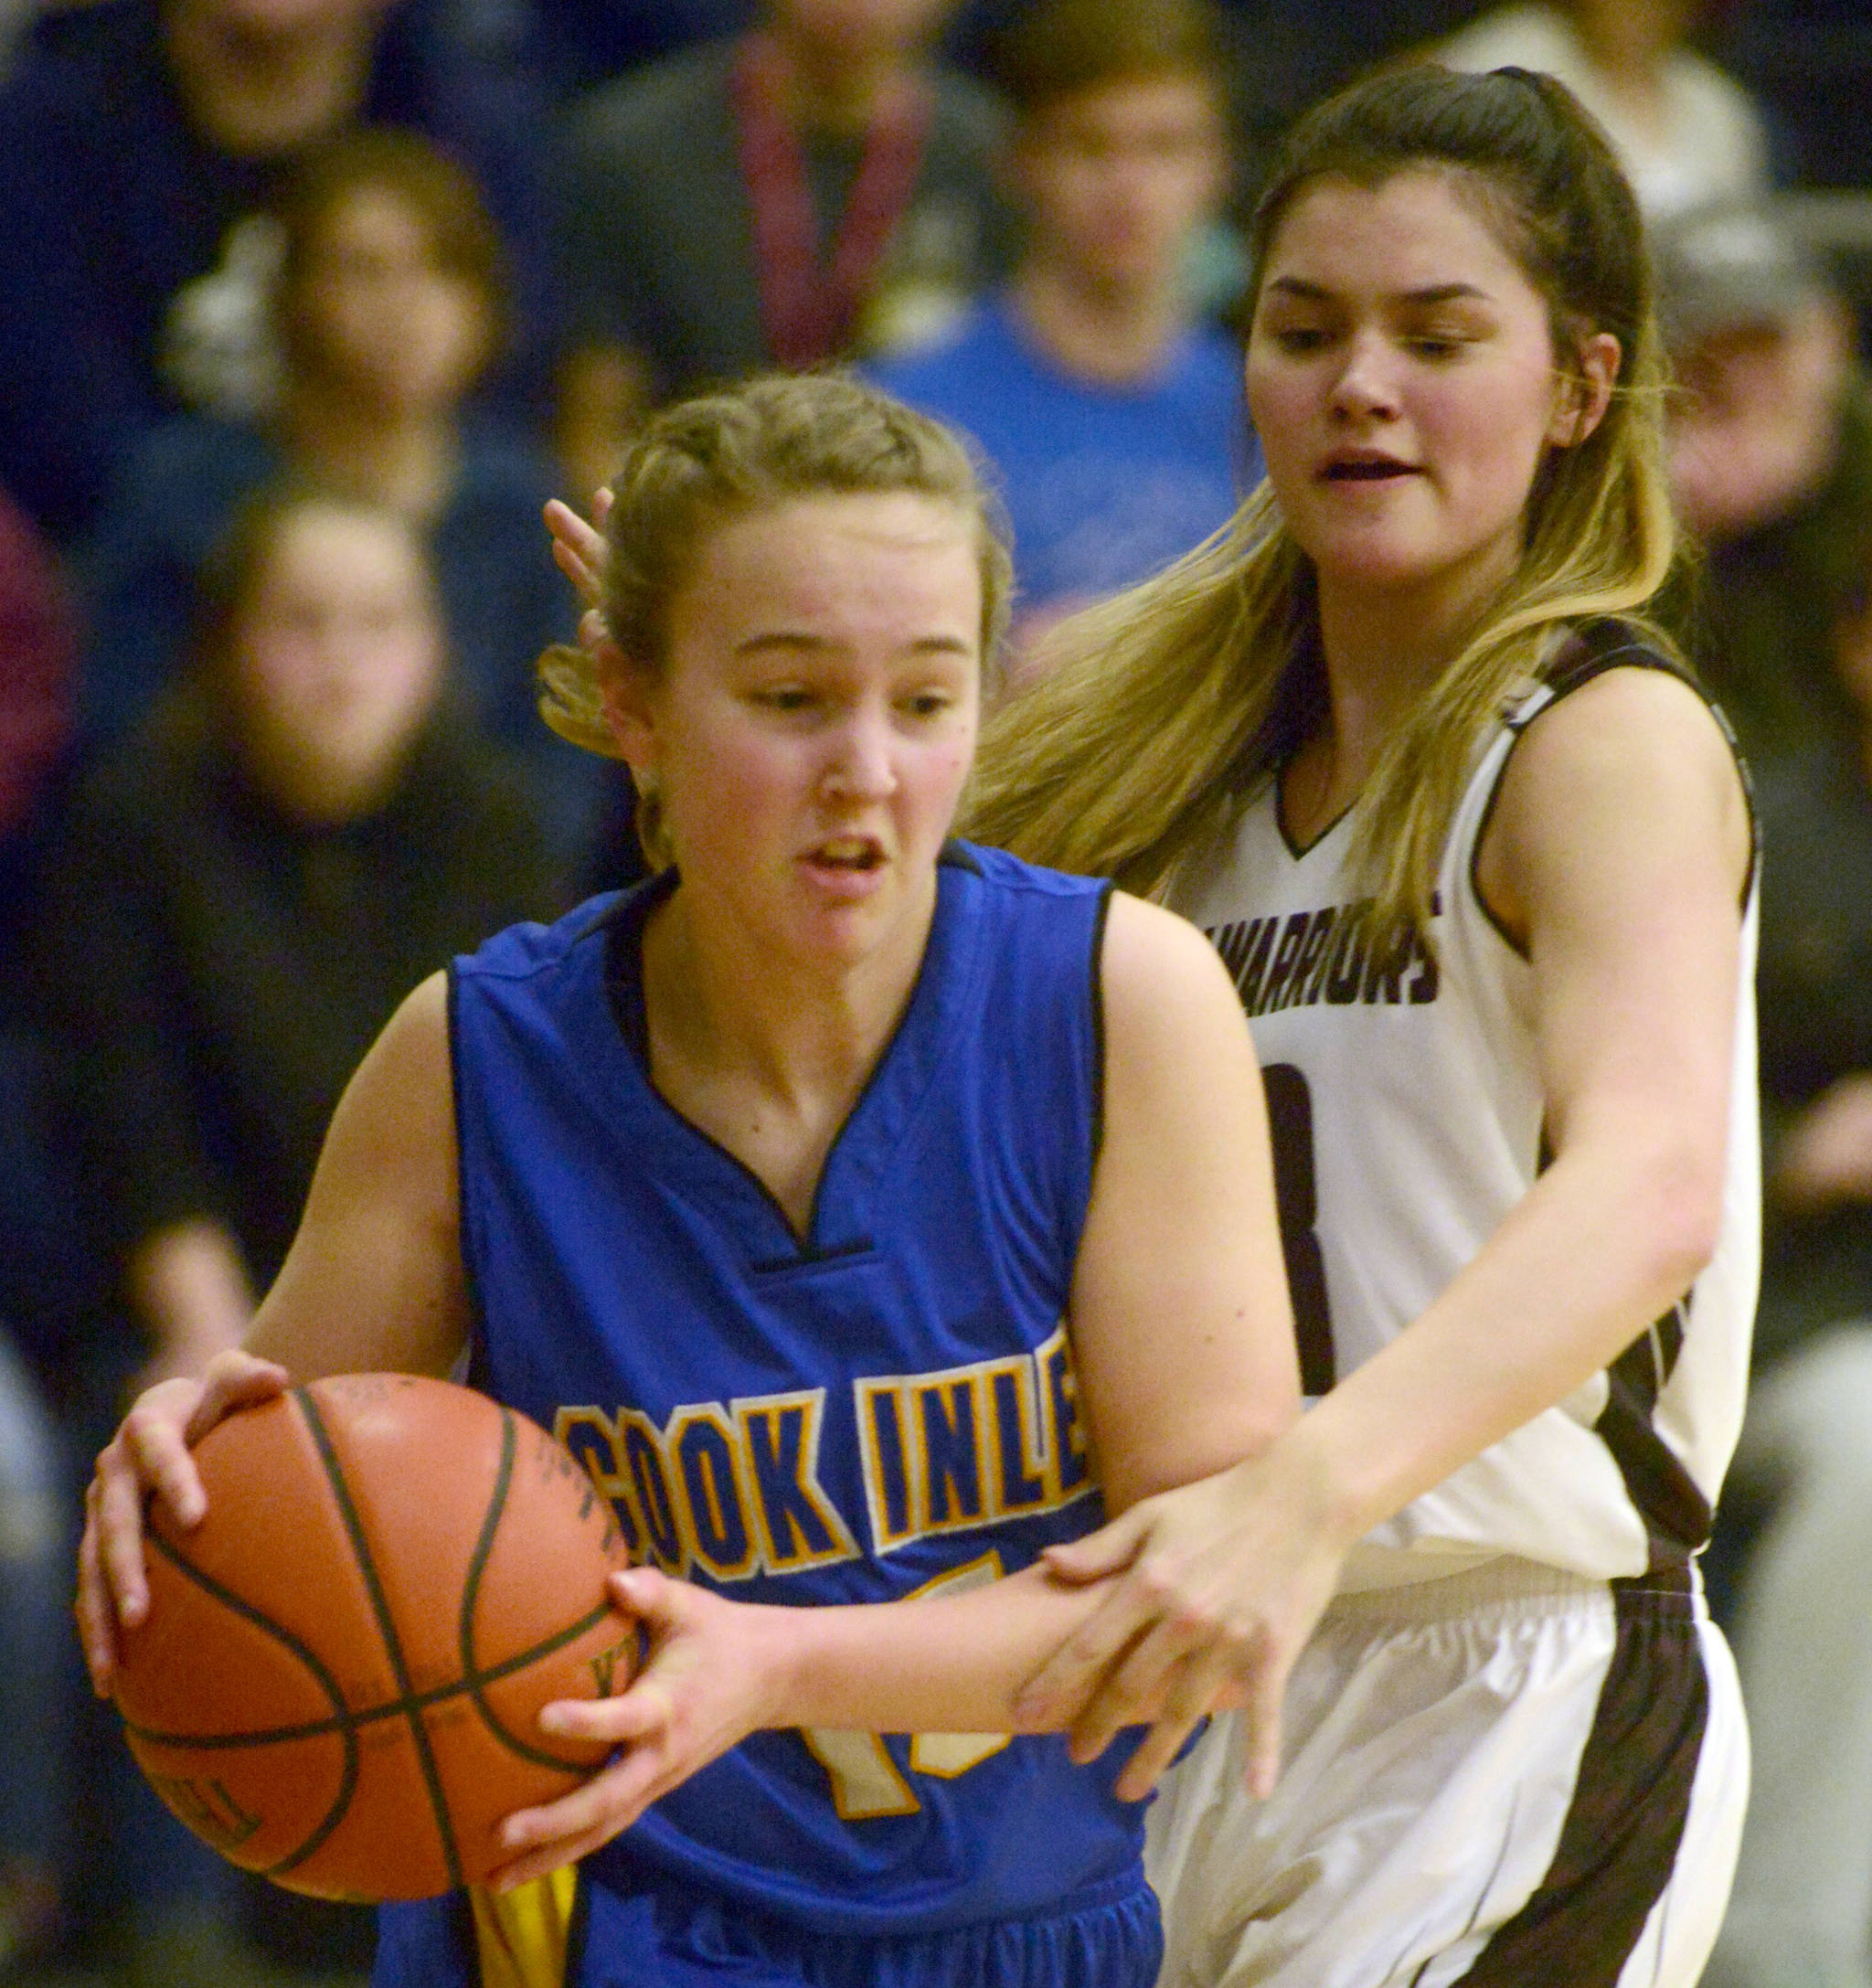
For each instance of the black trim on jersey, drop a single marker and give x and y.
(462, 1935)
(1297, 849)
(623, 923)
(1591, 649)
(1677, 1516)
(1619, 1842)
(477, 1375)
(624, 987)
(1096, 972)
(578, 1930)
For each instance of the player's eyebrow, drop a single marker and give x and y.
(1299, 289)
(798, 642)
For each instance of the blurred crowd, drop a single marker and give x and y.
(307, 306)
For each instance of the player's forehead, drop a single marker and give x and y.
(1419, 232)
(889, 573)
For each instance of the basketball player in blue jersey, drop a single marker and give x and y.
(1479, 858)
(868, 1212)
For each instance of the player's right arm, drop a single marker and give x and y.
(372, 1282)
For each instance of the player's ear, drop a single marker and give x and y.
(1586, 392)
(627, 687)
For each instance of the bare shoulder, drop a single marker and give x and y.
(413, 1048)
(1157, 970)
(1644, 736)
(1633, 773)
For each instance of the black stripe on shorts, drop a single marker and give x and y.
(1618, 1846)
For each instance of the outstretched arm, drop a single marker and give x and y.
(1618, 855)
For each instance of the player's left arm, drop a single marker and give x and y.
(1618, 857)
(1183, 1355)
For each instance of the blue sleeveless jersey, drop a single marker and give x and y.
(883, 1407)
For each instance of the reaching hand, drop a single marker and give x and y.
(709, 1682)
(1223, 1582)
(150, 1453)
(578, 551)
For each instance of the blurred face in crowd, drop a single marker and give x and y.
(335, 656)
(1630, 31)
(1756, 421)
(382, 315)
(1115, 178)
(259, 24)
(260, 78)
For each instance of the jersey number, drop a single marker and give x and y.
(1289, 1127)
(865, 1780)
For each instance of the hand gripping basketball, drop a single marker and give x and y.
(338, 1678)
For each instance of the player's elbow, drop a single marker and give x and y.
(1682, 1199)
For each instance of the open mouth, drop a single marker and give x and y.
(855, 854)
(1367, 472)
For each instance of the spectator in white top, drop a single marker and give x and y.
(1685, 132)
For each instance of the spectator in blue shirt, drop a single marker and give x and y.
(1109, 403)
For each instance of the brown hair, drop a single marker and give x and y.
(769, 439)
(1172, 704)
(1059, 48)
(439, 192)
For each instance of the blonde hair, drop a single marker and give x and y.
(1166, 708)
(766, 441)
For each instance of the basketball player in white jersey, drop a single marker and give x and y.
(1481, 860)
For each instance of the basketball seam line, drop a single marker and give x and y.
(348, 1720)
(347, 1781)
(470, 1590)
(386, 1628)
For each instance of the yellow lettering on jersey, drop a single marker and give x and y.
(728, 1491)
(885, 1452)
(950, 1412)
(716, 1499)
(1069, 1473)
(800, 1526)
(653, 1485)
(865, 1779)
(592, 1436)
(972, 1445)
(1018, 1454)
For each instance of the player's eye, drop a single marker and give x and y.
(784, 697)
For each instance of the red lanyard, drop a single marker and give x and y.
(808, 308)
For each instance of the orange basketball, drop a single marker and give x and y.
(338, 1679)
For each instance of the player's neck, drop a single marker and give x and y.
(1117, 334)
(769, 1064)
(255, 96)
(1384, 648)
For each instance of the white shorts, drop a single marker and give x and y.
(1514, 1776)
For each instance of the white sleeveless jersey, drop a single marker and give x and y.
(1407, 1118)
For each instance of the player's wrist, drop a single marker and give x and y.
(1331, 1497)
(778, 1640)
